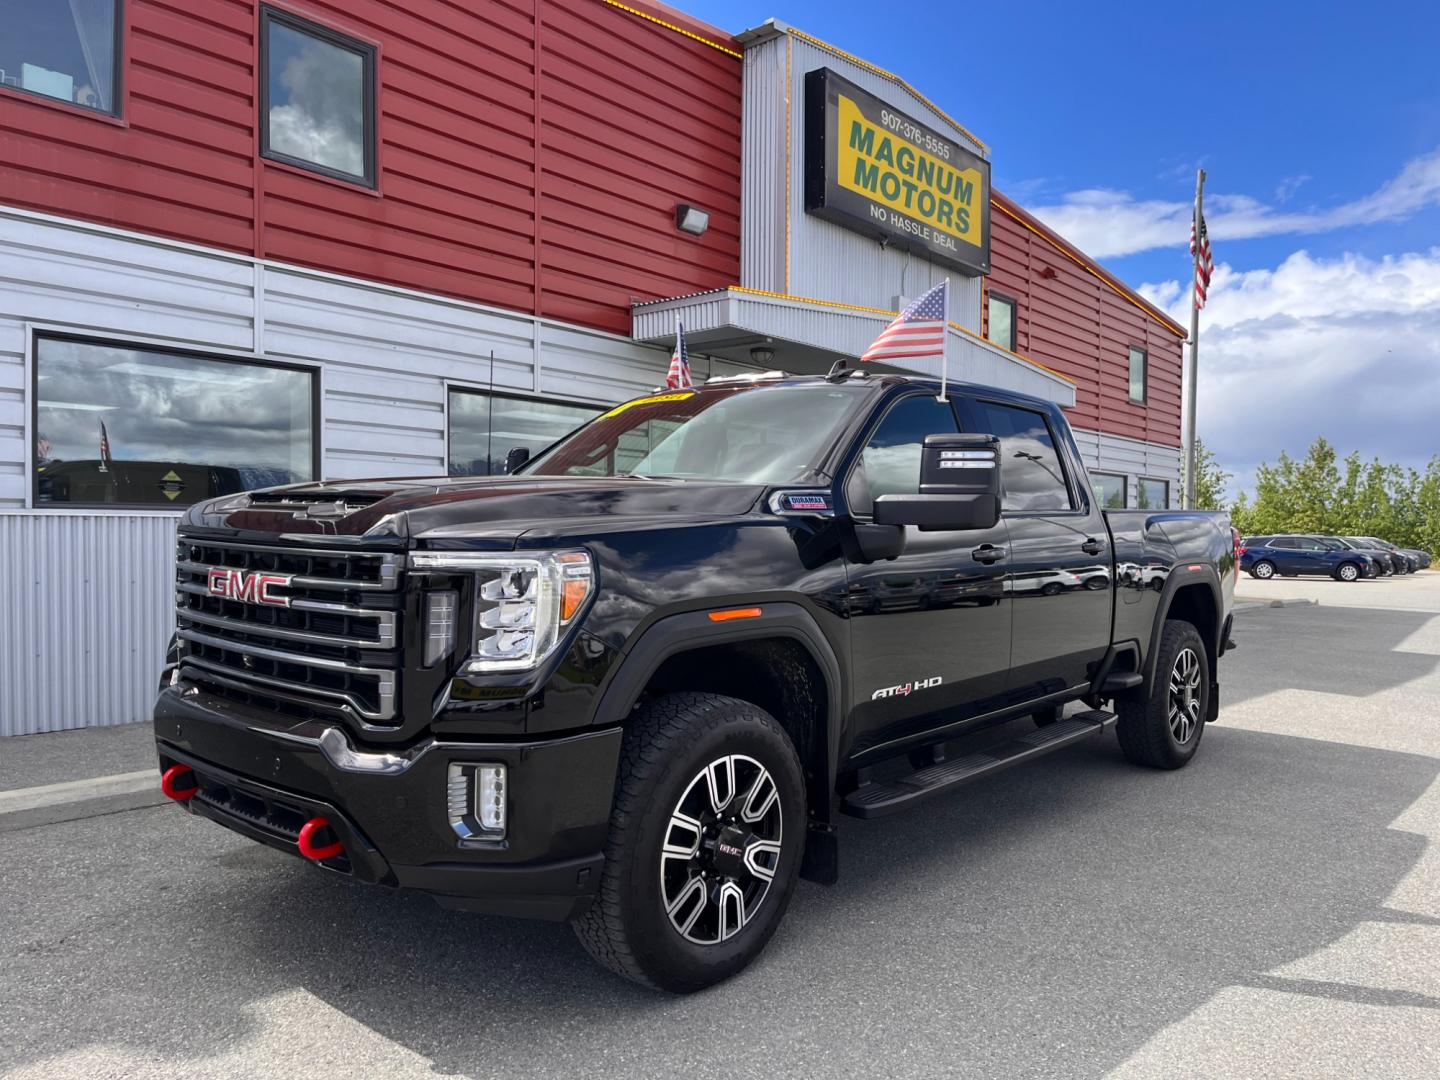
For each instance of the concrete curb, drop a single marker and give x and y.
(1250, 605)
(49, 804)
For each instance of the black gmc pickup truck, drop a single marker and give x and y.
(635, 683)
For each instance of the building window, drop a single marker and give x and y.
(66, 51)
(484, 428)
(122, 425)
(1000, 320)
(317, 98)
(1137, 374)
(1030, 469)
(1154, 494)
(1109, 490)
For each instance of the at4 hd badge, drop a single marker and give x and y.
(905, 689)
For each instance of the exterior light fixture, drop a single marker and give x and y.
(762, 355)
(691, 219)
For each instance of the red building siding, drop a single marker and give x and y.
(1075, 318)
(470, 98)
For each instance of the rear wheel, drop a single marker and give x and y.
(704, 846)
(1347, 572)
(1163, 728)
(1264, 570)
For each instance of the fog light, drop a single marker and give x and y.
(490, 797)
(475, 798)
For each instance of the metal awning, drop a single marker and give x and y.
(807, 336)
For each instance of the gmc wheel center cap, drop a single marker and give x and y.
(730, 850)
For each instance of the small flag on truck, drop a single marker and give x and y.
(920, 332)
(679, 376)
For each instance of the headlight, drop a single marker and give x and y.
(522, 602)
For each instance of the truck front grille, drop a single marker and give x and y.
(317, 630)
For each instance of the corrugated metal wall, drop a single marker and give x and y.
(822, 260)
(1132, 459)
(88, 605)
(1073, 322)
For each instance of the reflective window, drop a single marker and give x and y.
(890, 462)
(319, 94)
(484, 428)
(752, 433)
(1137, 374)
(1154, 494)
(138, 427)
(66, 51)
(1109, 490)
(1030, 469)
(1000, 320)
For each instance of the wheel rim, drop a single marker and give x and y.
(1184, 704)
(1348, 572)
(1264, 570)
(721, 850)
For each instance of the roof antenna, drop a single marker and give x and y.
(838, 371)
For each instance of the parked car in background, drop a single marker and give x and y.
(1386, 562)
(1417, 559)
(1264, 557)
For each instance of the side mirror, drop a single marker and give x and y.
(959, 487)
(517, 456)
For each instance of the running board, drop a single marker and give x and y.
(878, 799)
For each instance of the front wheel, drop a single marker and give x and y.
(1163, 728)
(1263, 570)
(705, 843)
(1347, 572)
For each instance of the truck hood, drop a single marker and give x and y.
(468, 511)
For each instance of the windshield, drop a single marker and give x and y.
(747, 433)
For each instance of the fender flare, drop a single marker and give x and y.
(686, 631)
(1181, 578)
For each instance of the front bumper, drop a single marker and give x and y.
(265, 782)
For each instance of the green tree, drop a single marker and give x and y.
(1210, 479)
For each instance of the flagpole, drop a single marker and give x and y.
(945, 344)
(1189, 503)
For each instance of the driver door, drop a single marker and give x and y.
(929, 630)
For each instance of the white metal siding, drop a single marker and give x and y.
(826, 261)
(1132, 459)
(88, 603)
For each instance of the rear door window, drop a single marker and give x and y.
(1031, 471)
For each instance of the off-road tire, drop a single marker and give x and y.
(667, 742)
(1144, 726)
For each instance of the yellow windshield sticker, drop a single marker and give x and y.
(655, 400)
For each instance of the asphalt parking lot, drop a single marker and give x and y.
(1272, 910)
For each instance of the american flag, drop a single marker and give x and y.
(917, 332)
(104, 448)
(1204, 263)
(679, 376)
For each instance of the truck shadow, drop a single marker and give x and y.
(1080, 903)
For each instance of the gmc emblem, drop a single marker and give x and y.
(249, 587)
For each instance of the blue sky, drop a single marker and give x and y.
(1319, 127)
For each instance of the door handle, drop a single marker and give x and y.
(987, 553)
(1092, 546)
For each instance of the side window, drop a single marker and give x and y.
(890, 462)
(1030, 468)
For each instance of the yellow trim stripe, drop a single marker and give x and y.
(678, 29)
(890, 315)
(1164, 320)
(891, 77)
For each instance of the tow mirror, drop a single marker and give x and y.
(959, 487)
(517, 456)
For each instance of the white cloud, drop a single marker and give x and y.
(1107, 223)
(1348, 348)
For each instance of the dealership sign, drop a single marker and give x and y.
(873, 169)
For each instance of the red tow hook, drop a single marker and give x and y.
(178, 782)
(308, 832)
